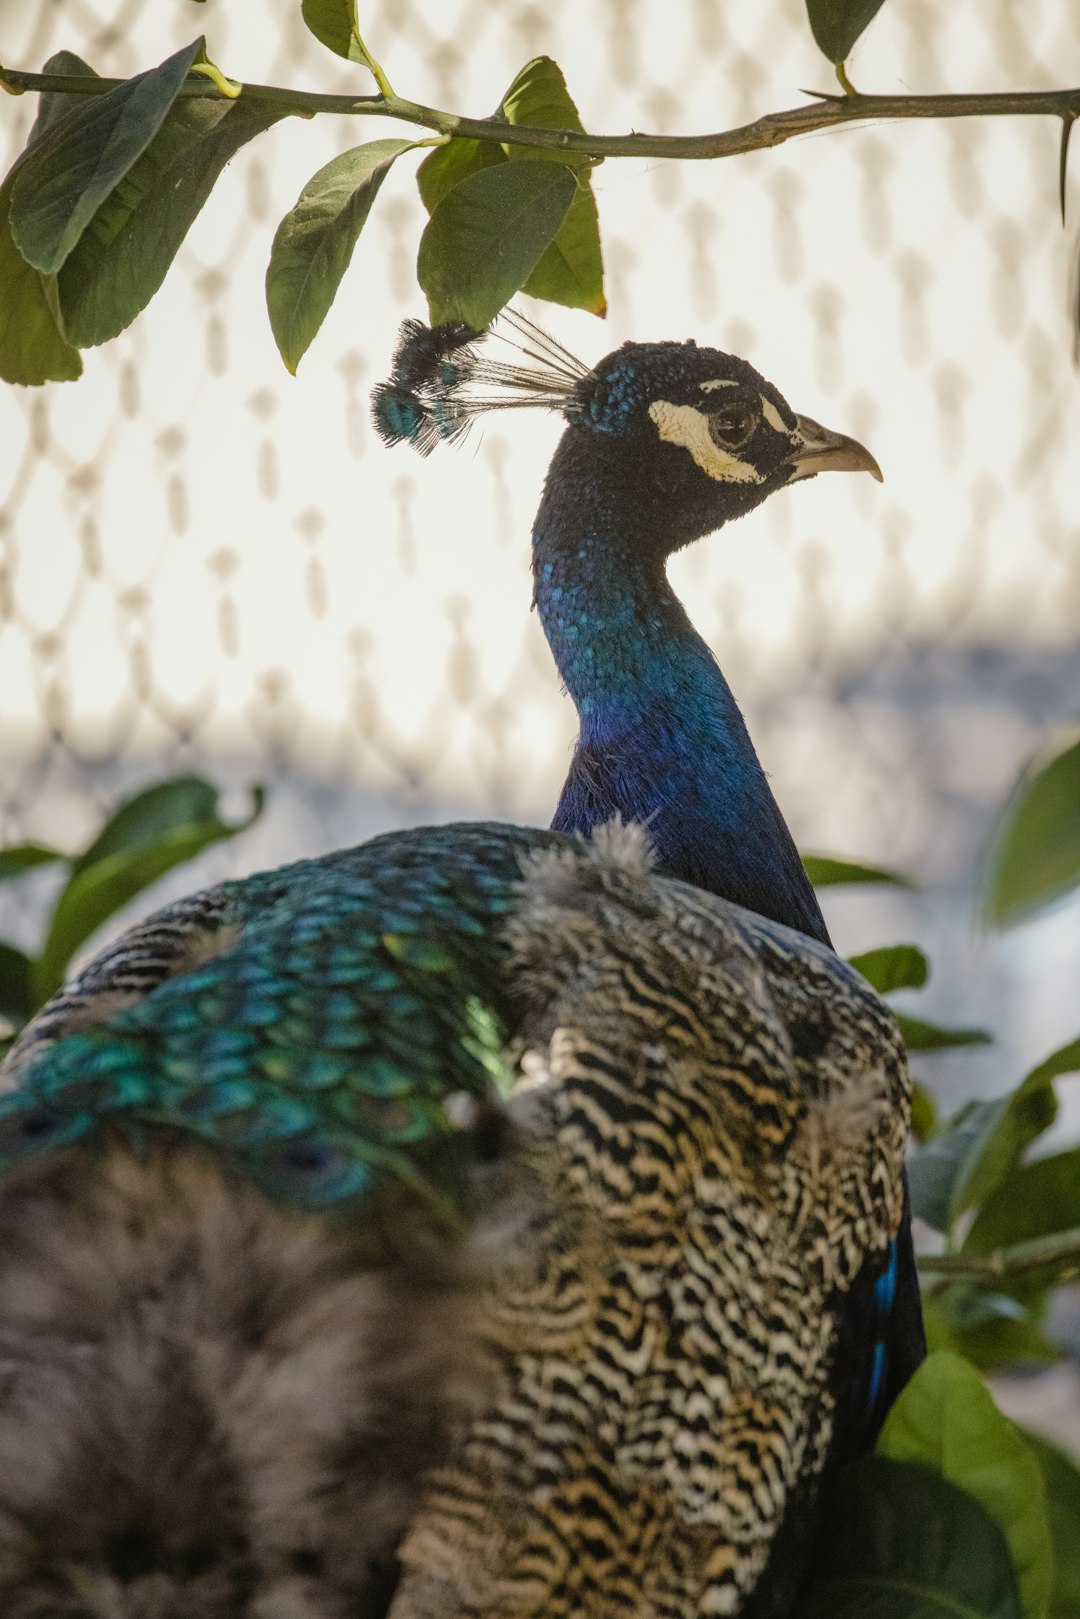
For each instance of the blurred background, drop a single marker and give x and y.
(209, 565)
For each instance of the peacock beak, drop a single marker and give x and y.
(819, 450)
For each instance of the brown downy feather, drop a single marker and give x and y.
(727, 1106)
(210, 1408)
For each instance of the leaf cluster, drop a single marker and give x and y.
(97, 205)
(959, 1512)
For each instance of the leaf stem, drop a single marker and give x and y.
(823, 112)
(385, 87)
(1061, 1249)
(228, 87)
(845, 83)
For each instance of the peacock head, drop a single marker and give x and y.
(704, 436)
(682, 438)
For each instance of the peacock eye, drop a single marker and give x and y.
(732, 425)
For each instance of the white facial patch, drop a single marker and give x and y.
(717, 382)
(772, 415)
(689, 427)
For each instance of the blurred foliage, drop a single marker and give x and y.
(1061, 1482)
(1036, 856)
(1008, 1213)
(825, 870)
(946, 1417)
(1008, 1216)
(147, 836)
(906, 1543)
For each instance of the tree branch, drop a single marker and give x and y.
(823, 112)
(1061, 1249)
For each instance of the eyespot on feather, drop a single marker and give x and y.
(29, 1129)
(310, 1174)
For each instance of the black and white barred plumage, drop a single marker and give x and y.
(604, 1399)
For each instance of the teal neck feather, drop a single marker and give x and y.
(662, 739)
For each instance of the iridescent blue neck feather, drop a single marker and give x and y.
(662, 739)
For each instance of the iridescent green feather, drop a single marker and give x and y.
(318, 1047)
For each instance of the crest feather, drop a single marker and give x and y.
(441, 379)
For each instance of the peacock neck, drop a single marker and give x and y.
(661, 737)
(628, 654)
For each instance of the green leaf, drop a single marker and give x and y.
(897, 966)
(150, 815)
(1036, 857)
(33, 350)
(1001, 1345)
(967, 1160)
(924, 1117)
(538, 98)
(824, 871)
(55, 105)
(334, 24)
(314, 242)
(936, 1168)
(446, 166)
(1033, 1201)
(1004, 1346)
(904, 1543)
(939, 1328)
(837, 24)
(919, 1035)
(123, 256)
(571, 269)
(1007, 1128)
(1062, 1481)
(486, 237)
(1065, 1060)
(992, 1330)
(143, 841)
(16, 1002)
(79, 159)
(946, 1419)
(22, 857)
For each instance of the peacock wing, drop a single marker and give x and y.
(327, 1026)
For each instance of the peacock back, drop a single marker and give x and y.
(634, 1143)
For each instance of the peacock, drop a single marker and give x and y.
(481, 1221)
(666, 442)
